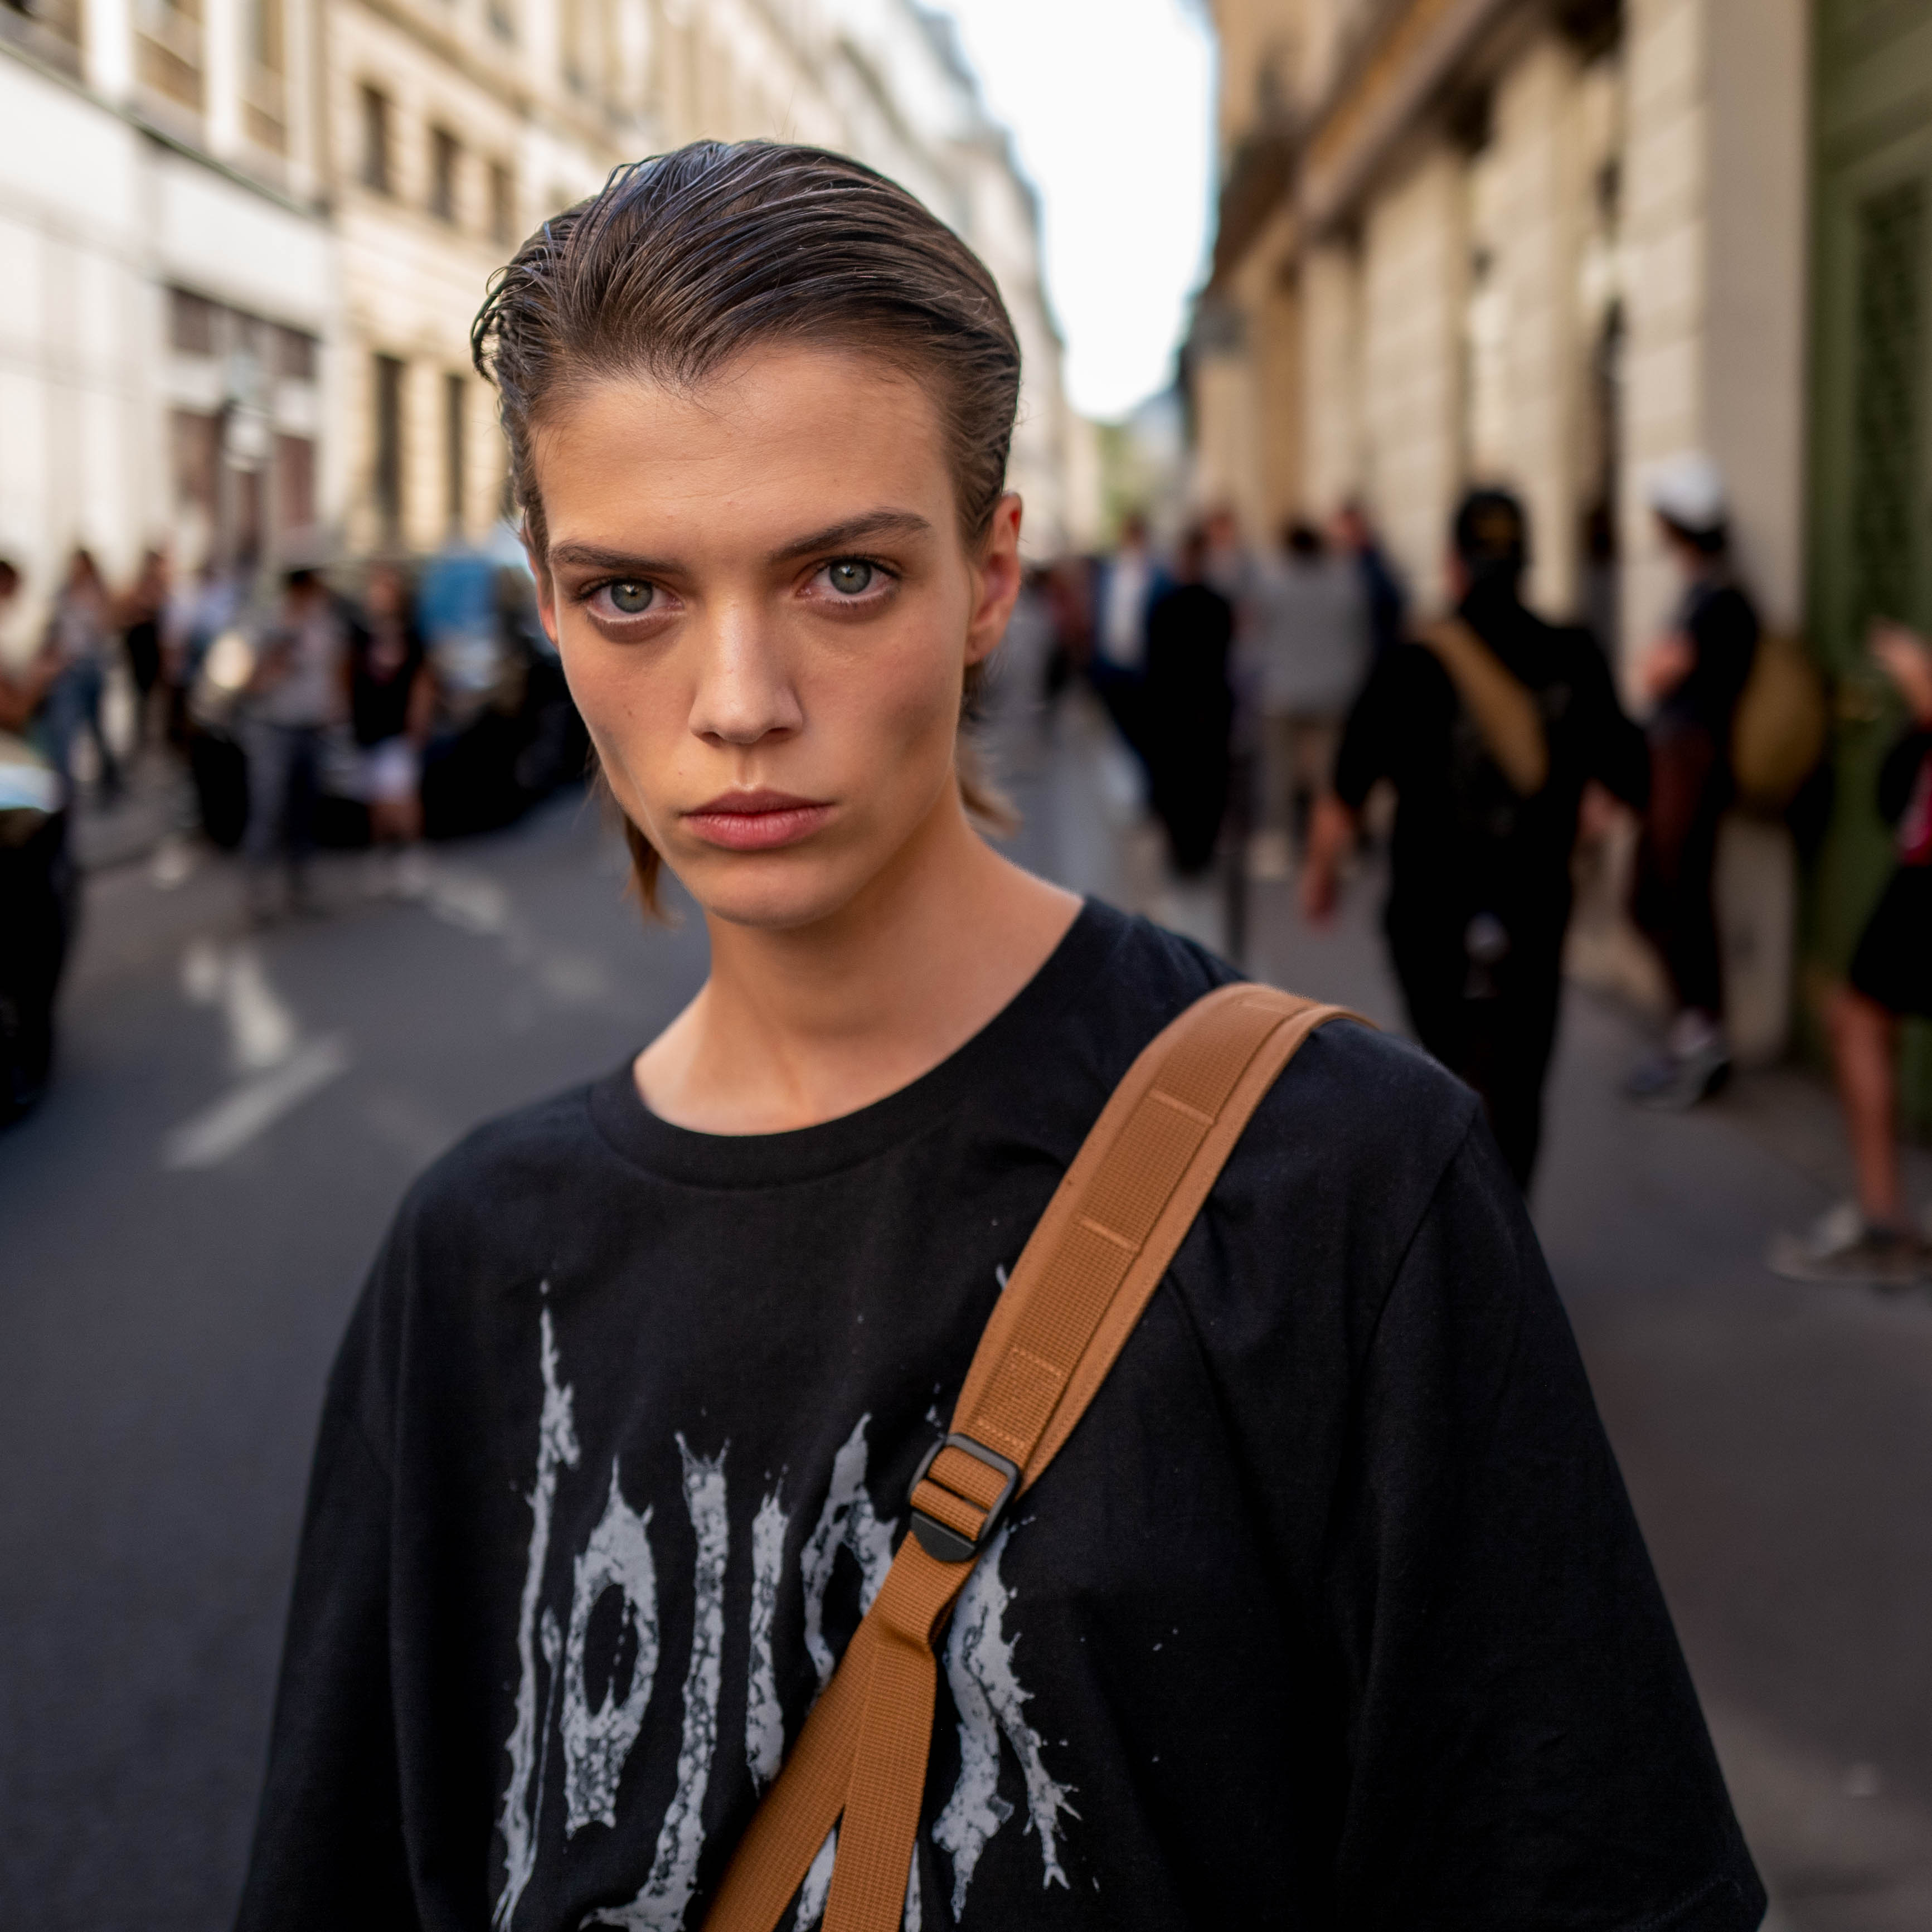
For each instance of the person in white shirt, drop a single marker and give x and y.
(1310, 648)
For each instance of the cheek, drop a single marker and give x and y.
(899, 703)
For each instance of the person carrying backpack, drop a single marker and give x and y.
(1488, 726)
(787, 1481)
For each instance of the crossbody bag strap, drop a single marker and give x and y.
(1087, 1273)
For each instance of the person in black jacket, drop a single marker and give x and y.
(1696, 674)
(1480, 891)
(1189, 710)
(1872, 1238)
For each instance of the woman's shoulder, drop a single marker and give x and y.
(527, 1167)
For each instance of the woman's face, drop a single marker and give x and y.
(765, 612)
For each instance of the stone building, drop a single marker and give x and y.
(171, 284)
(246, 239)
(455, 126)
(1549, 242)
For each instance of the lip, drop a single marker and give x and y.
(756, 820)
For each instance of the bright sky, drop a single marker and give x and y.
(1110, 103)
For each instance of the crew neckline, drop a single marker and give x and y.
(697, 1159)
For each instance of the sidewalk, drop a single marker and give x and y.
(1776, 1438)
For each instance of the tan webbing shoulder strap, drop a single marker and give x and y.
(1503, 707)
(1088, 1271)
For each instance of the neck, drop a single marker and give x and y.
(795, 1027)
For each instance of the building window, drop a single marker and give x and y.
(389, 441)
(191, 322)
(295, 484)
(196, 439)
(55, 30)
(168, 50)
(376, 117)
(265, 101)
(295, 355)
(445, 153)
(503, 206)
(455, 408)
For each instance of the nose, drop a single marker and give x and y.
(745, 692)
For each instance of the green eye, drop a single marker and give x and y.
(631, 599)
(849, 577)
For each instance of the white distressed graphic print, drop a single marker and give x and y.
(556, 1444)
(596, 1743)
(992, 1704)
(764, 1716)
(659, 1906)
(848, 1521)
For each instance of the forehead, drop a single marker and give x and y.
(777, 434)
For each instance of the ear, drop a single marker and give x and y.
(996, 580)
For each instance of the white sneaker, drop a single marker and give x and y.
(1842, 1246)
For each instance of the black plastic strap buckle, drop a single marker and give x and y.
(938, 1539)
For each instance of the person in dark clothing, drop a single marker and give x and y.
(1479, 889)
(390, 693)
(1696, 674)
(1387, 601)
(1333, 1612)
(1189, 710)
(140, 613)
(1872, 1238)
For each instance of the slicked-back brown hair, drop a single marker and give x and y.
(684, 261)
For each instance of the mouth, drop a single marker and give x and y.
(756, 821)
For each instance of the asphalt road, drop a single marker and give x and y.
(184, 1224)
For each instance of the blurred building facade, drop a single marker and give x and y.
(250, 236)
(1549, 242)
(173, 282)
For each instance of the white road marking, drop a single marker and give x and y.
(261, 1031)
(208, 1138)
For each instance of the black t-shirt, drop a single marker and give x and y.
(385, 661)
(1331, 1613)
(1465, 843)
(1722, 626)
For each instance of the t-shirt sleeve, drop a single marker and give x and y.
(1526, 1749)
(329, 1849)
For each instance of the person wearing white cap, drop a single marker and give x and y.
(1695, 675)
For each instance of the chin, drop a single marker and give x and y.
(770, 898)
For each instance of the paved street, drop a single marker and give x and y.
(183, 1228)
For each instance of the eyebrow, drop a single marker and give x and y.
(870, 526)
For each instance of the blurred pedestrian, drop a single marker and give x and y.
(392, 700)
(1873, 1238)
(140, 611)
(1189, 708)
(299, 689)
(1229, 566)
(1310, 647)
(1125, 585)
(1354, 534)
(23, 687)
(1694, 674)
(1068, 593)
(78, 635)
(1489, 726)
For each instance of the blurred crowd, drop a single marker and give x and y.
(1283, 707)
(368, 706)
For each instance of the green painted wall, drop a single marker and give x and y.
(1871, 439)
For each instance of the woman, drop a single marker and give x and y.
(76, 641)
(1330, 1611)
(140, 612)
(391, 694)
